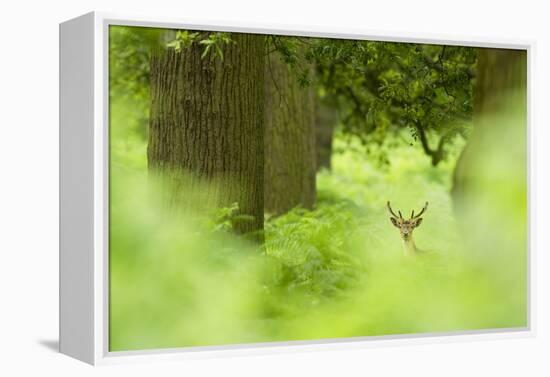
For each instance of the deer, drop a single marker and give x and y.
(406, 227)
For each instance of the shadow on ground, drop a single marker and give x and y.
(52, 345)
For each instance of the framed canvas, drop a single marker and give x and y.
(231, 188)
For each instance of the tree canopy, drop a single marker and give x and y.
(380, 87)
(377, 87)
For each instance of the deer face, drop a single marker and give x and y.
(406, 226)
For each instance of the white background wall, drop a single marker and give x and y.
(29, 184)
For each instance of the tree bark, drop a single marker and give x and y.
(289, 140)
(207, 121)
(500, 93)
(326, 119)
(490, 183)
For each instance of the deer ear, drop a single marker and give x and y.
(394, 221)
(418, 222)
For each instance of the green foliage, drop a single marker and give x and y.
(336, 271)
(221, 220)
(184, 39)
(292, 51)
(129, 52)
(309, 250)
(171, 280)
(213, 42)
(226, 218)
(380, 87)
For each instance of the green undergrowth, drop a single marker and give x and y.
(335, 271)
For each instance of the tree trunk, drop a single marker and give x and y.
(207, 121)
(326, 119)
(500, 95)
(289, 140)
(490, 185)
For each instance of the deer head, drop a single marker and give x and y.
(406, 226)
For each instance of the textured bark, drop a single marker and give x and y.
(289, 140)
(326, 119)
(499, 73)
(207, 121)
(500, 91)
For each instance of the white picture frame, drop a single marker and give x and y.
(84, 191)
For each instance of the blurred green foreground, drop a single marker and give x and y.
(337, 271)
